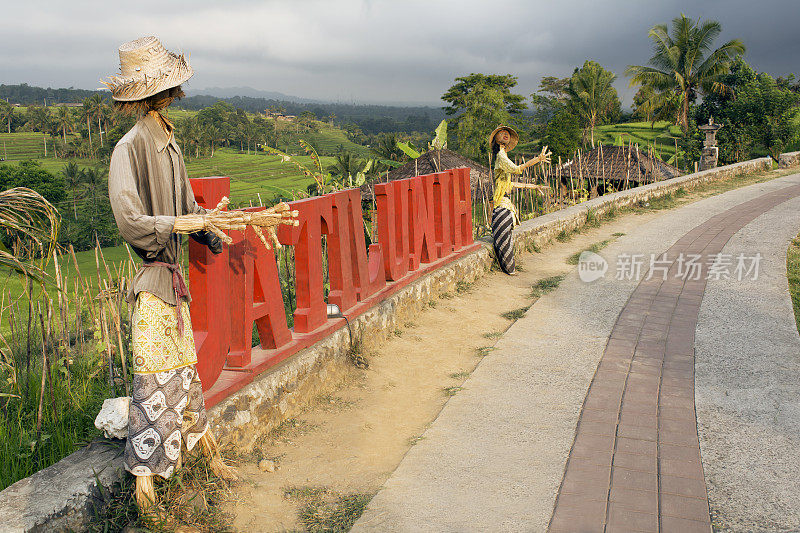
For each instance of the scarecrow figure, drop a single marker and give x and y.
(504, 215)
(153, 204)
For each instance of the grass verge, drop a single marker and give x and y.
(326, 510)
(793, 275)
(596, 247)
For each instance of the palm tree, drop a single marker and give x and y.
(108, 116)
(73, 177)
(386, 147)
(39, 119)
(64, 121)
(6, 114)
(682, 66)
(214, 135)
(90, 106)
(93, 178)
(592, 96)
(345, 165)
(98, 112)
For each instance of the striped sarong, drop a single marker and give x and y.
(502, 229)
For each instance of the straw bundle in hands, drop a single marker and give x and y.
(218, 220)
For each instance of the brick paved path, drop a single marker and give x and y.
(635, 463)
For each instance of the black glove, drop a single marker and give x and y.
(208, 238)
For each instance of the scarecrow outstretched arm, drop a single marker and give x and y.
(218, 219)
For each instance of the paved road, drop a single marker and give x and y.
(584, 419)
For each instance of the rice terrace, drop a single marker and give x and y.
(355, 266)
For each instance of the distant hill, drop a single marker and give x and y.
(369, 118)
(228, 92)
(24, 94)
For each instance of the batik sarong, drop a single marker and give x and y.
(502, 235)
(167, 408)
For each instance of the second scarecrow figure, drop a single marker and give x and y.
(151, 198)
(504, 215)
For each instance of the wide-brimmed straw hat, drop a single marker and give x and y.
(512, 142)
(147, 68)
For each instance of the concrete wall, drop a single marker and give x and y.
(791, 159)
(64, 495)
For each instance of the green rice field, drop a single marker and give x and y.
(25, 145)
(643, 134)
(253, 175)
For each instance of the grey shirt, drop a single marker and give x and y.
(148, 186)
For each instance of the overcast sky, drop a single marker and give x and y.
(384, 51)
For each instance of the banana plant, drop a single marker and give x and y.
(408, 149)
(439, 142)
(323, 179)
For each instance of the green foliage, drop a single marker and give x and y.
(408, 149)
(682, 67)
(458, 96)
(515, 314)
(593, 98)
(30, 174)
(793, 274)
(757, 114)
(6, 115)
(386, 147)
(484, 108)
(549, 100)
(545, 285)
(562, 134)
(440, 136)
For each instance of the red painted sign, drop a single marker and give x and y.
(423, 223)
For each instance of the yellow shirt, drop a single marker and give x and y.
(503, 170)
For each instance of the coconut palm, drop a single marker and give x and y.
(73, 177)
(39, 120)
(6, 114)
(682, 67)
(64, 121)
(214, 135)
(345, 165)
(108, 116)
(385, 147)
(99, 111)
(90, 111)
(592, 96)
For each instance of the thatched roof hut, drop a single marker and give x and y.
(434, 161)
(618, 164)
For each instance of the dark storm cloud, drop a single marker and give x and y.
(373, 51)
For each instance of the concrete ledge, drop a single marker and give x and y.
(67, 492)
(790, 159)
(537, 232)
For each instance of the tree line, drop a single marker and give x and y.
(685, 81)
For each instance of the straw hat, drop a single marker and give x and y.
(147, 68)
(512, 142)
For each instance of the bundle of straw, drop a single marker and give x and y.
(218, 220)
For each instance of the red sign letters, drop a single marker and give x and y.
(422, 223)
